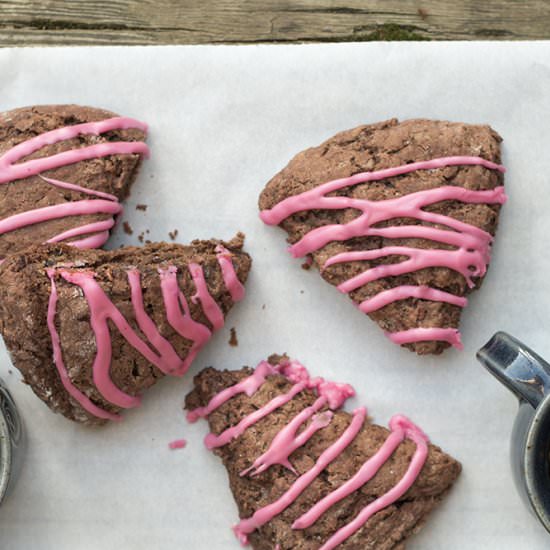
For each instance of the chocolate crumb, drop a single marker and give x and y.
(140, 237)
(173, 234)
(233, 337)
(307, 264)
(142, 207)
(127, 228)
(10, 371)
(148, 241)
(146, 231)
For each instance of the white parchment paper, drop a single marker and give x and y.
(223, 120)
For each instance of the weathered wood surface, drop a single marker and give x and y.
(87, 22)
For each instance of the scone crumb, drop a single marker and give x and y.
(233, 342)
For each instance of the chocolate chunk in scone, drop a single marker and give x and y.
(63, 171)
(400, 216)
(305, 474)
(91, 329)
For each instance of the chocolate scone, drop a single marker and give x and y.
(305, 474)
(63, 171)
(400, 216)
(91, 329)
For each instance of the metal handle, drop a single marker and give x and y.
(519, 368)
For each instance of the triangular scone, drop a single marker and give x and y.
(114, 322)
(305, 474)
(63, 171)
(400, 216)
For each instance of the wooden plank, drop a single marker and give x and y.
(24, 22)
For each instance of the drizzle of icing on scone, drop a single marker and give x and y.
(11, 169)
(235, 287)
(469, 257)
(156, 349)
(288, 440)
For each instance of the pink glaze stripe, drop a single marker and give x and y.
(230, 279)
(401, 428)
(79, 189)
(288, 440)
(177, 444)
(102, 310)
(407, 206)
(213, 441)
(93, 241)
(36, 166)
(469, 258)
(210, 307)
(444, 236)
(468, 264)
(249, 386)
(395, 493)
(267, 513)
(171, 362)
(82, 399)
(95, 227)
(335, 392)
(386, 297)
(308, 199)
(427, 334)
(78, 208)
(182, 323)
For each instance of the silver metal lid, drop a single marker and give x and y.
(11, 442)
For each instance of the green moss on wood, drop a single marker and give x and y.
(390, 31)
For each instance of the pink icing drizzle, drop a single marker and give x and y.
(213, 441)
(403, 427)
(469, 258)
(406, 291)
(450, 335)
(249, 386)
(58, 359)
(80, 189)
(288, 440)
(235, 287)
(182, 323)
(177, 444)
(78, 208)
(102, 227)
(160, 352)
(209, 305)
(267, 513)
(11, 170)
(171, 362)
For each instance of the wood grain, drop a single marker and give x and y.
(88, 22)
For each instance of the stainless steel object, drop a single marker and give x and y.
(11, 442)
(527, 375)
